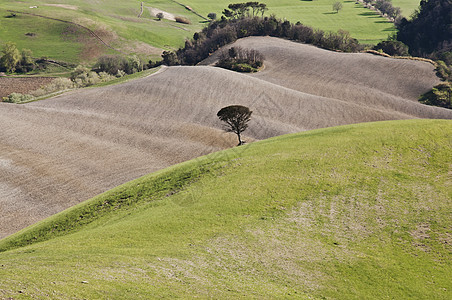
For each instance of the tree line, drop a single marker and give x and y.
(429, 34)
(240, 21)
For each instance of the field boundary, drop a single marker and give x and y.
(190, 9)
(403, 57)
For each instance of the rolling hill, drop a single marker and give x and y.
(61, 151)
(352, 212)
(80, 31)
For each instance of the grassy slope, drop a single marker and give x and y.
(351, 212)
(114, 21)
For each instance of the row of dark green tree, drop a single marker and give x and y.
(429, 34)
(237, 22)
(386, 7)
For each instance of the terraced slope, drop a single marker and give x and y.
(58, 152)
(352, 212)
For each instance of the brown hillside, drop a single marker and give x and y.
(58, 152)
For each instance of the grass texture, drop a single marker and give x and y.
(351, 212)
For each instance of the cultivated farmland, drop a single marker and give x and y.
(58, 152)
(21, 85)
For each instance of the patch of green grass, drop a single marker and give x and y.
(352, 212)
(408, 6)
(45, 38)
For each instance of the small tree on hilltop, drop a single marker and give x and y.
(236, 118)
(337, 6)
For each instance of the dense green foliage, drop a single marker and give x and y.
(440, 95)
(12, 58)
(393, 48)
(236, 119)
(430, 29)
(241, 60)
(352, 212)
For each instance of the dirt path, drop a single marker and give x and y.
(166, 15)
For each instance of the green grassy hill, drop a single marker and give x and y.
(118, 25)
(115, 22)
(351, 212)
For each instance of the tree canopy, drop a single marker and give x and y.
(236, 118)
(11, 57)
(429, 30)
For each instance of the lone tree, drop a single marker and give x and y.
(11, 57)
(337, 6)
(236, 118)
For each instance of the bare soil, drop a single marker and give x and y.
(61, 151)
(23, 85)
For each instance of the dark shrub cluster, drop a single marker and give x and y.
(241, 60)
(429, 32)
(14, 60)
(116, 64)
(393, 48)
(440, 95)
(386, 7)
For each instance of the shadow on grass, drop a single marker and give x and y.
(330, 13)
(368, 13)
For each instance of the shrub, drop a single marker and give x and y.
(182, 20)
(11, 57)
(79, 70)
(443, 70)
(440, 95)
(212, 16)
(159, 16)
(17, 98)
(393, 48)
(58, 84)
(111, 64)
(241, 60)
